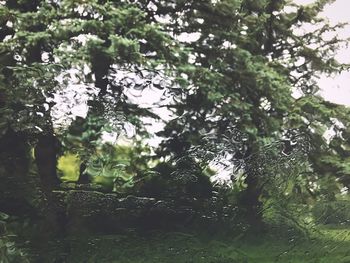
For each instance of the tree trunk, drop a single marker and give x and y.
(249, 198)
(250, 203)
(46, 161)
(14, 170)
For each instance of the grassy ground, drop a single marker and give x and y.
(331, 245)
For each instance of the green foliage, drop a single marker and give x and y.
(115, 167)
(68, 165)
(104, 168)
(9, 251)
(333, 213)
(181, 180)
(244, 67)
(84, 135)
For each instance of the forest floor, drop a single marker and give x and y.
(329, 245)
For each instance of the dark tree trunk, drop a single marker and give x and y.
(46, 161)
(250, 203)
(46, 151)
(83, 177)
(249, 199)
(14, 170)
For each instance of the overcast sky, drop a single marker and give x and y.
(337, 89)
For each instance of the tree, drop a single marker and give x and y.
(43, 41)
(246, 60)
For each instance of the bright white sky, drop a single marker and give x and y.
(337, 89)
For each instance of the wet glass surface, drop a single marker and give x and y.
(171, 131)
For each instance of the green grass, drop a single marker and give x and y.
(327, 246)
